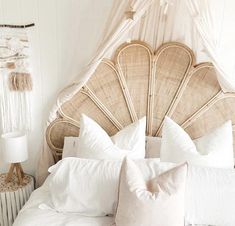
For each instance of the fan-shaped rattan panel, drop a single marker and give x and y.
(172, 64)
(134, 66)
(85, 102)
(56, 132)
(104, 82)
(140, 81)
(219, 112)
(201, 80)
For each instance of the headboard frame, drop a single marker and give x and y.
(140, 81)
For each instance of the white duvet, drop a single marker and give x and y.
(32, 215)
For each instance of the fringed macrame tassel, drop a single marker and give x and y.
(20, 81)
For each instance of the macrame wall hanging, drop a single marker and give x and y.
(15, 79)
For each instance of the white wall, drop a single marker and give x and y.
(64, 39)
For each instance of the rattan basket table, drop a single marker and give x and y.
(13, 197)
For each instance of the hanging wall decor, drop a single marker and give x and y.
(15, 79)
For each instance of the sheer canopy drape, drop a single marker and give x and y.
(214, 21)
(203, 25)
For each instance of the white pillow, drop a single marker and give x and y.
(158, 202)
(70, 147)
(213, 150)
(210, 196)
(90, 187)
(95, 143)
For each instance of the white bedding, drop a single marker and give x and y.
(32, 215)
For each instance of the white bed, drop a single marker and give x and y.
(139, 77)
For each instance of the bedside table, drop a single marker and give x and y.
(13, 197)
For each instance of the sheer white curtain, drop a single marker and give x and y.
(214, 21)
(116, 29)
(164, 21)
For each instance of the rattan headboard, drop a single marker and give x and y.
(140, 81)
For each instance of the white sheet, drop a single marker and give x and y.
(32, 215)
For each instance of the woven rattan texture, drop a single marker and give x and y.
(141, 81)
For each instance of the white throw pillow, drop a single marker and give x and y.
(95, 143)
(158, 202)
(213, 150)
(90, 187)
(70, 147)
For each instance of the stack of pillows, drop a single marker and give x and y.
(101, 176)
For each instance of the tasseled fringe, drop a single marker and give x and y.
(19, 81)
(15, 108)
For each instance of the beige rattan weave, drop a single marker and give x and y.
(140, 81)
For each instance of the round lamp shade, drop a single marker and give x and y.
(14, 147)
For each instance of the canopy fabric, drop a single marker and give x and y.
(203, 25)
(112, 38)
(214, 20)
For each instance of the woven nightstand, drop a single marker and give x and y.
(13, 197)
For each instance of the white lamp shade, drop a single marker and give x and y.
(14, 147)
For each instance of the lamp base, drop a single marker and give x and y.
(19, 173)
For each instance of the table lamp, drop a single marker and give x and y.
(15, 151)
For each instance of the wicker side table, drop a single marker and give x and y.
(13, 197)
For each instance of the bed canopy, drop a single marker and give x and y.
(151, 75)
